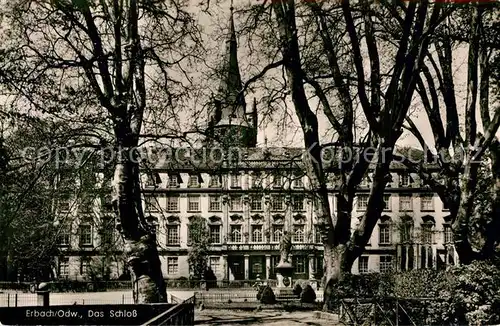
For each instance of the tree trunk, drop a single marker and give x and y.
(335, 267)
(140, 240)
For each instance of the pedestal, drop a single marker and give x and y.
(284, 272)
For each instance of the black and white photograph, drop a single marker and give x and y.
(250, 162)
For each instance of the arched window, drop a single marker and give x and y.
(427, 227)
(384, 235)
(298, 233)
(406, 229)
(277, 232)
(257, 233)
(235, 233)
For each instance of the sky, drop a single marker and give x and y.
(270, 133)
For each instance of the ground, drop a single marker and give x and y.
(273, 318)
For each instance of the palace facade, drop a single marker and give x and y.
(249, 198)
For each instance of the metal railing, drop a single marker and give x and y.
(392, 311)
(180, 315)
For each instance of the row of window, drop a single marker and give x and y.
(215, 181)
(257, 234)
(385, 264)
(405, 202)
(256, 180)
(256, 203)
(277, 203)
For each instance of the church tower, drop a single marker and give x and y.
(230, 125)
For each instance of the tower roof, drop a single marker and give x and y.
(231, 100)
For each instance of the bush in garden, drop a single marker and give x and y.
(297, 289)
(308, 295)
(267, 296)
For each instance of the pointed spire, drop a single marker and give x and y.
(232, 102)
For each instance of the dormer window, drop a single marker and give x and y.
(277, 181)
(194, 181)
(215, 181)
(235, 181)
(405, 180)
(173, 180)
(297, 182)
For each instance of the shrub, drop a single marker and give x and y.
(308, 295)
(267, 296)
(468, 294)
(297, 289)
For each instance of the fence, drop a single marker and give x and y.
(30, 299)
(103, 286)
(244, 295)
(69, 286)
(385, 311)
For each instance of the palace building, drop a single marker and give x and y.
(249, 196)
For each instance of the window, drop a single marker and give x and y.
(448, 233)
(256, 203)
(300, 263)
(427, 233)
(298, 202)
(172, 265)
(297, 182)
(64, 205)
(384, 234)
(298, 233)
(194, 181)
(150, 204)
(107, 230)
(172, 203)
(173, 235)
(107, 203)
(362, 202)
(149, 181)
(215, 264)
(215, 181)
(85, 235)
(214, 233)
(236, 203)
(385, 264)
(363, 264)
(235, 233)
(277, 203)
(86, 205)
(426, 203)
(387, 202)
(193, 203)
(406, 231)
(235, 181)
(84, 266)
(63, 267)
(257, 233)
(215, 203)
(405, 203)
(65, 235)
(257, 180)
(257, 267)
(277, 233)
(365, 182)
(277, 181)
(317, 234)
(405, 180)
(173, 180)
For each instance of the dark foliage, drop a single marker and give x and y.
(308, 295)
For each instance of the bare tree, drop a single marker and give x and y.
(460, 147)
(115, 59)
(334, 72)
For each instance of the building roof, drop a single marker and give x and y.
(256, 158)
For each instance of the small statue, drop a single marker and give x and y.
(285, 246)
